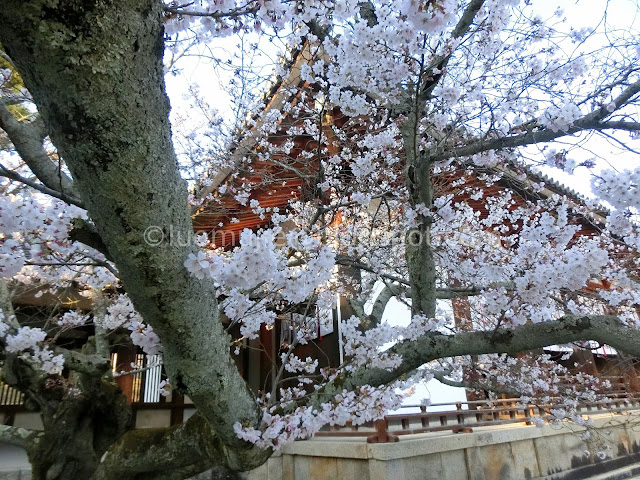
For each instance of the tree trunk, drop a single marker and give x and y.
(79, 427)
(95, 71)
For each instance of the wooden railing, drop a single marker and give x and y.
(462, 417)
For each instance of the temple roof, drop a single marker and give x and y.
(257, 181)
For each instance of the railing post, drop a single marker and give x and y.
(460, 416)
(425, 422)
(381, 435)
(529, 413)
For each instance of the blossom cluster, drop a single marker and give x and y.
(121, 313)
(363, 405)
(366, 348)
(29, 344)
(259, 263)
(35, 246)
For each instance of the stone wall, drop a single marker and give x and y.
(503, 453)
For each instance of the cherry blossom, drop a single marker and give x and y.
(396, 160)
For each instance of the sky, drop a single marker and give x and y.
(583, 13)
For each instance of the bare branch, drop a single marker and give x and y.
(27, 138)
(591, 121)
(626, 126)
(457, 292)
(381, 301)
(442, 378)
(137, 370)
(349, 262)
(233, 13)
(5, 172)
(67, 264)
(85, 232)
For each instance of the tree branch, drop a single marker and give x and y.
(390, 291)
(5, 57)
(442, 378)
(458, 292)
(350, 262)
(6, 305)
(233, 13)
(367, 12)
(5, 172)
(27, 139)
(180, 451)
(440, 62)
(357, 307)
(627, 126)
(85, 232)
(380, 303)
(19, 437)
(92, 365)
(591, 121)
(433, 345)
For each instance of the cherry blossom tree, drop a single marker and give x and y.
(422, 119)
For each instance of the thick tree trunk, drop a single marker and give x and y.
(95, 71)
(66, 449)
(418, 251)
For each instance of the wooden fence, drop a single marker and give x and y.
(462, 417)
